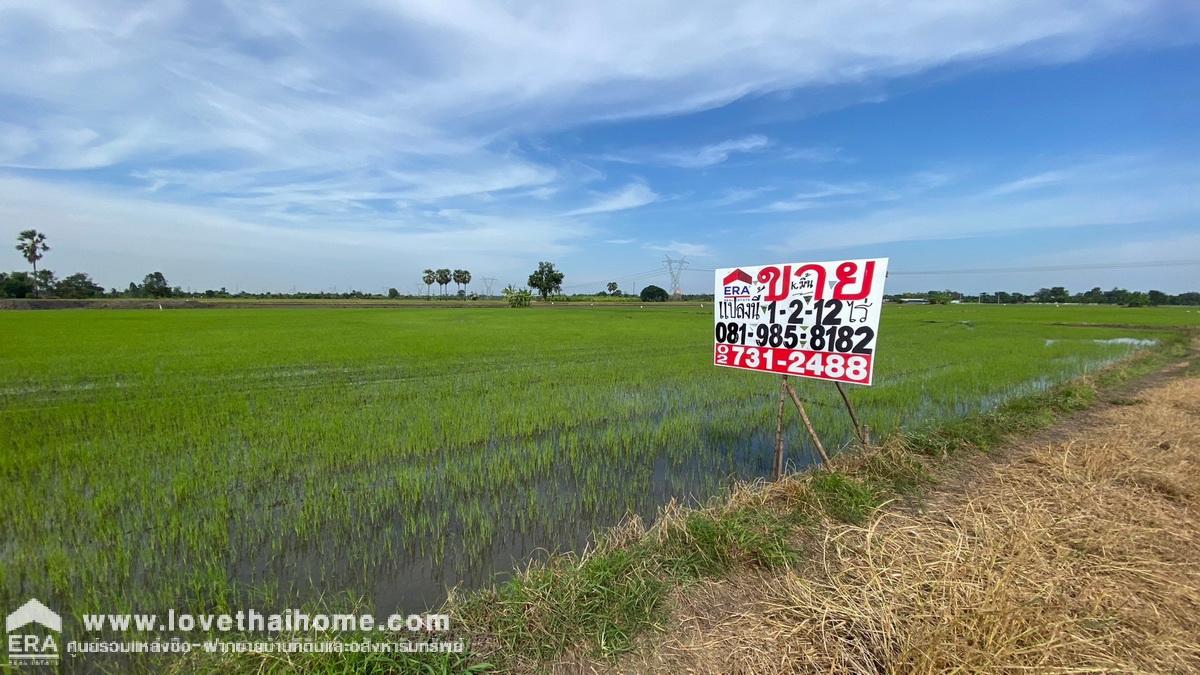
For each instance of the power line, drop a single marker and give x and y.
(1018, 270)
(1054, 268)
(627, 277)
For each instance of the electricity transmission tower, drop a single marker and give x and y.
(487, 286)
(675, 268)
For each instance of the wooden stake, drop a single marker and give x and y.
(858, 429)
(777, 469)
(807, 423)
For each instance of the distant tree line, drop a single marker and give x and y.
(546, 280)
(1059, 294)
(33, 245)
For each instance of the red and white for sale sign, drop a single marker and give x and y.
(818, 320)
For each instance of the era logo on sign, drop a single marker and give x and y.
(737, 285)
(27, 648)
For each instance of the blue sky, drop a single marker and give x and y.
(272, 146)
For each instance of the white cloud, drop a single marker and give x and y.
(631, 196)
(815, 196)
(543, 193)
(787, 206)
(683, 248)
(362, 82)
(115, 238)
(1172, 247)
(1029, 183)
(822, 194)
(1118, 191)
(1135, 249)
(439, 184)
(715, 153)
(929, 180)
(700, 157)
(739, 195)
(817, 154)
(349, 117)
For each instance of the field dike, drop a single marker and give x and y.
(994, 543)
(1079, 555)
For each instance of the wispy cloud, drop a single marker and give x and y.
(1122, 191)
(715, 153)
(823, 194)
(1173, 246)
(817, 154)
(116, 237)
(815, 196)
(431, 185)
(739, 195)
(419, 119)
(1029, 183)
(683, 248)
(699, 157)
(631, 196)
(366, 82)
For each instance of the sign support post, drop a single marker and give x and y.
(777, 466)
(807, 422)
(858, 429)
(817, 320)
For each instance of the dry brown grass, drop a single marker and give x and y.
(1077, 556)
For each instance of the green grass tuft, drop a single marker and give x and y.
(844, 498)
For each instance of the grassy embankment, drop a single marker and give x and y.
(600, 602)
(1072, 550)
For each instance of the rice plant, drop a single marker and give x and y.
(200, 460)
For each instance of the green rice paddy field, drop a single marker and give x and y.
(230, 458)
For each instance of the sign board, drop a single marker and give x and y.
(818, 320)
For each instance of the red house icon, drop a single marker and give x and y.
(736, 275)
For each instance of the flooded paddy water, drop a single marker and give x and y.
(274, 458)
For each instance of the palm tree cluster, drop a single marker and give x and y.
(443, 277)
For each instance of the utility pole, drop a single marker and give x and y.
(675, 268)
(487, 286)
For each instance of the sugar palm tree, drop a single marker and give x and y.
(32, 245)
(462, 278)
(429, 277)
